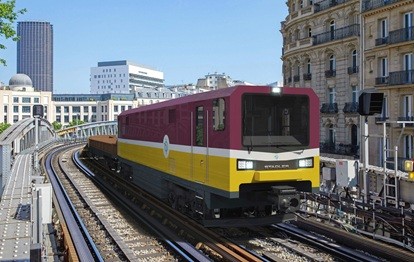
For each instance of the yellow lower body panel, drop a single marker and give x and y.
(213, 171)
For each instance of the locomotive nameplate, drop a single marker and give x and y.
(276, 165)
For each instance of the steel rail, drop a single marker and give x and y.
(84, 245)
(183, 248)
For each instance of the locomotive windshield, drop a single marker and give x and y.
(275, 121)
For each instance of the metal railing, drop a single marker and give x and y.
(330, 73)
(372, 4)
(323, 5)
(307, 76)
(339, 149)
(350, 107)
(296, 78)
(353, 70)
(401, 35)
(329, 108)
(341, 33)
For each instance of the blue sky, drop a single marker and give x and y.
(186, 39)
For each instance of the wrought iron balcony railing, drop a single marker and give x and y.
(323, 5)
(401, 77)
(296, 78)
(339, 149)
(330, 73)
(401, 35)
(381, 41)
(341, 33)
(353, 70)
(350, 107)
(329, 108)
(383, 80)
(307, 76)
(372, 4)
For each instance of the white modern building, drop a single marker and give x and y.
(123, 77)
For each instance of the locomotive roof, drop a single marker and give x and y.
(223, 92)
(108, 139)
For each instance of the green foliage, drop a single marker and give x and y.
(3, 126)
(56, 125)
(76, 122)
(7, 17)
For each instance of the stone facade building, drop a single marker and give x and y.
(321, 51)
(388, 47)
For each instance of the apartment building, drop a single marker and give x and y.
(388, 46)
(321, 50)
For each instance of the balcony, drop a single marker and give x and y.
(289, 80)
(339, 149)
(329, 108)
(353, 70)
(307, 76)
(351, 107)
(372, 4)
(401, 35)
(330, 73)
(383, 80)
(323, 5)
(296, 78)
(341, 33)
(401, 77)
(381, 41)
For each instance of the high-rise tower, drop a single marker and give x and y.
(35, 53)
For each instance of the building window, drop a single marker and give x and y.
(15, 109)
(26, 109)
(26, 100)
(58, 118)
(15, 99)
(331, 135)
(86, 109)
(36, 100)
(332, 29)
(354, 94)
(384, 67)
(58, 109)
(354, 59)
(115, 108)
(408, 146)
(66, 119)
(76, 109)
(408, 106)
(15, 118)
(383, 28)
(309, 32)
(332, 63)
(93, 109)
(331, 95)
(5, 109)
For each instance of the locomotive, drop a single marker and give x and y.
(236, 156)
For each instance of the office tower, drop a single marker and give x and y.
(35, 53)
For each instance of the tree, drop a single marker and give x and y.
(56, 125)
(3, 126)
(7, 17)
(76, 122)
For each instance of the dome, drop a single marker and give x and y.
(20, 80)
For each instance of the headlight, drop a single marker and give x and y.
(308, 162)
(408, 165)
(244, 164)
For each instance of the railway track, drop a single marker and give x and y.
(115, 235)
